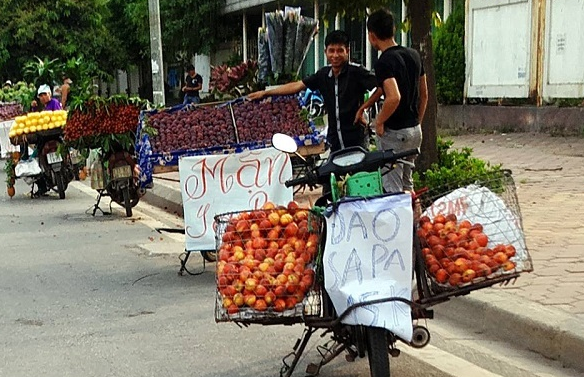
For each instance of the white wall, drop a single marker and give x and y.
(203, 67)
(122, 81)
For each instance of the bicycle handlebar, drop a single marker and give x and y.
(371, 161)
(296, 181)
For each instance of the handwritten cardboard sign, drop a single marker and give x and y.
(478, 204)
(215, 184)
(368, 256)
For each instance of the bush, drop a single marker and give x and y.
(449, 63)
(457, 168)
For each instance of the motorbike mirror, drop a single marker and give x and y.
(284, 143)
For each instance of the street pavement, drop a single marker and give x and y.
(543, 310)
(100, 296)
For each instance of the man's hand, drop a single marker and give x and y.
(256, 95)
(184, 89)
(33, 103)
(359, 119)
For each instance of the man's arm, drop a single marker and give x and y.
(423, 98)
(370, 102)
(290, 88)
(390, 104)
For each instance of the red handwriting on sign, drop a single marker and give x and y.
(202, 215)
(457, 206)
(249, 172)
(196, 185)
(253, 172)
(258, 199)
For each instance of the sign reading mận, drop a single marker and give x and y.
(368, 256)
(214, 184)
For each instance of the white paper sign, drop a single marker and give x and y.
(368, 256)
(5, 145)
(480, 205)
(215, 184)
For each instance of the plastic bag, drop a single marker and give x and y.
(28, 168)
(263, 55)
(290, 29)
(307, 28)
(275, 26)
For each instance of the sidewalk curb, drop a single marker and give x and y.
(165, 196)
(553, 333)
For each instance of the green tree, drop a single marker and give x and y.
(191, 25)
(449, 58)
(130, 24)
(55, 29)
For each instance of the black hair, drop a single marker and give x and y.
(190, 67)
(337, 37)
(381, 23)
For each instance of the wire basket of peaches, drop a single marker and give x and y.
(471, 234)
(266, 260)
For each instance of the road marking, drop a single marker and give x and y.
(145, 216)
(447, 362)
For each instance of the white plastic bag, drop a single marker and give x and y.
(28, 168)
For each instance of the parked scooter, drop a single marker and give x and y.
(54, 170)
(313, 102)
(122, 187)
(114, 174)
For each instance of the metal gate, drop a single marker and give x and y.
(564, 49)
(499, 42)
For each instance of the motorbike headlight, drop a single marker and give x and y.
(349, 159)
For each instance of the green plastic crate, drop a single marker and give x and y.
(364, 184)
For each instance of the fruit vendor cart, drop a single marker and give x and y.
(219, 129)
(228, 127)
(354, 261)
(108, 128)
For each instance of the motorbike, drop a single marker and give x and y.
(356, 340)
(313, 102)
(56, 168)
(114, 175)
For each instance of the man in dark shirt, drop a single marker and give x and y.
(193, 83)
(343, 86)
(401, 78)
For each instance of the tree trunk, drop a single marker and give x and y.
(420, 13)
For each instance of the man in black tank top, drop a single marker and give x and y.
(402, 80)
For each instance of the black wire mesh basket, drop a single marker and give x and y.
(265, 270)
(471, 234)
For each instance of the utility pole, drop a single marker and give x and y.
(156, 53)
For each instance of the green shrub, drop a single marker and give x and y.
(449, 64)
(457, 168)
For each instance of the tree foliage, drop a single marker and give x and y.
(55, 29)
(354, 8)
(449, 58)
(130, 24)
(192, 25)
